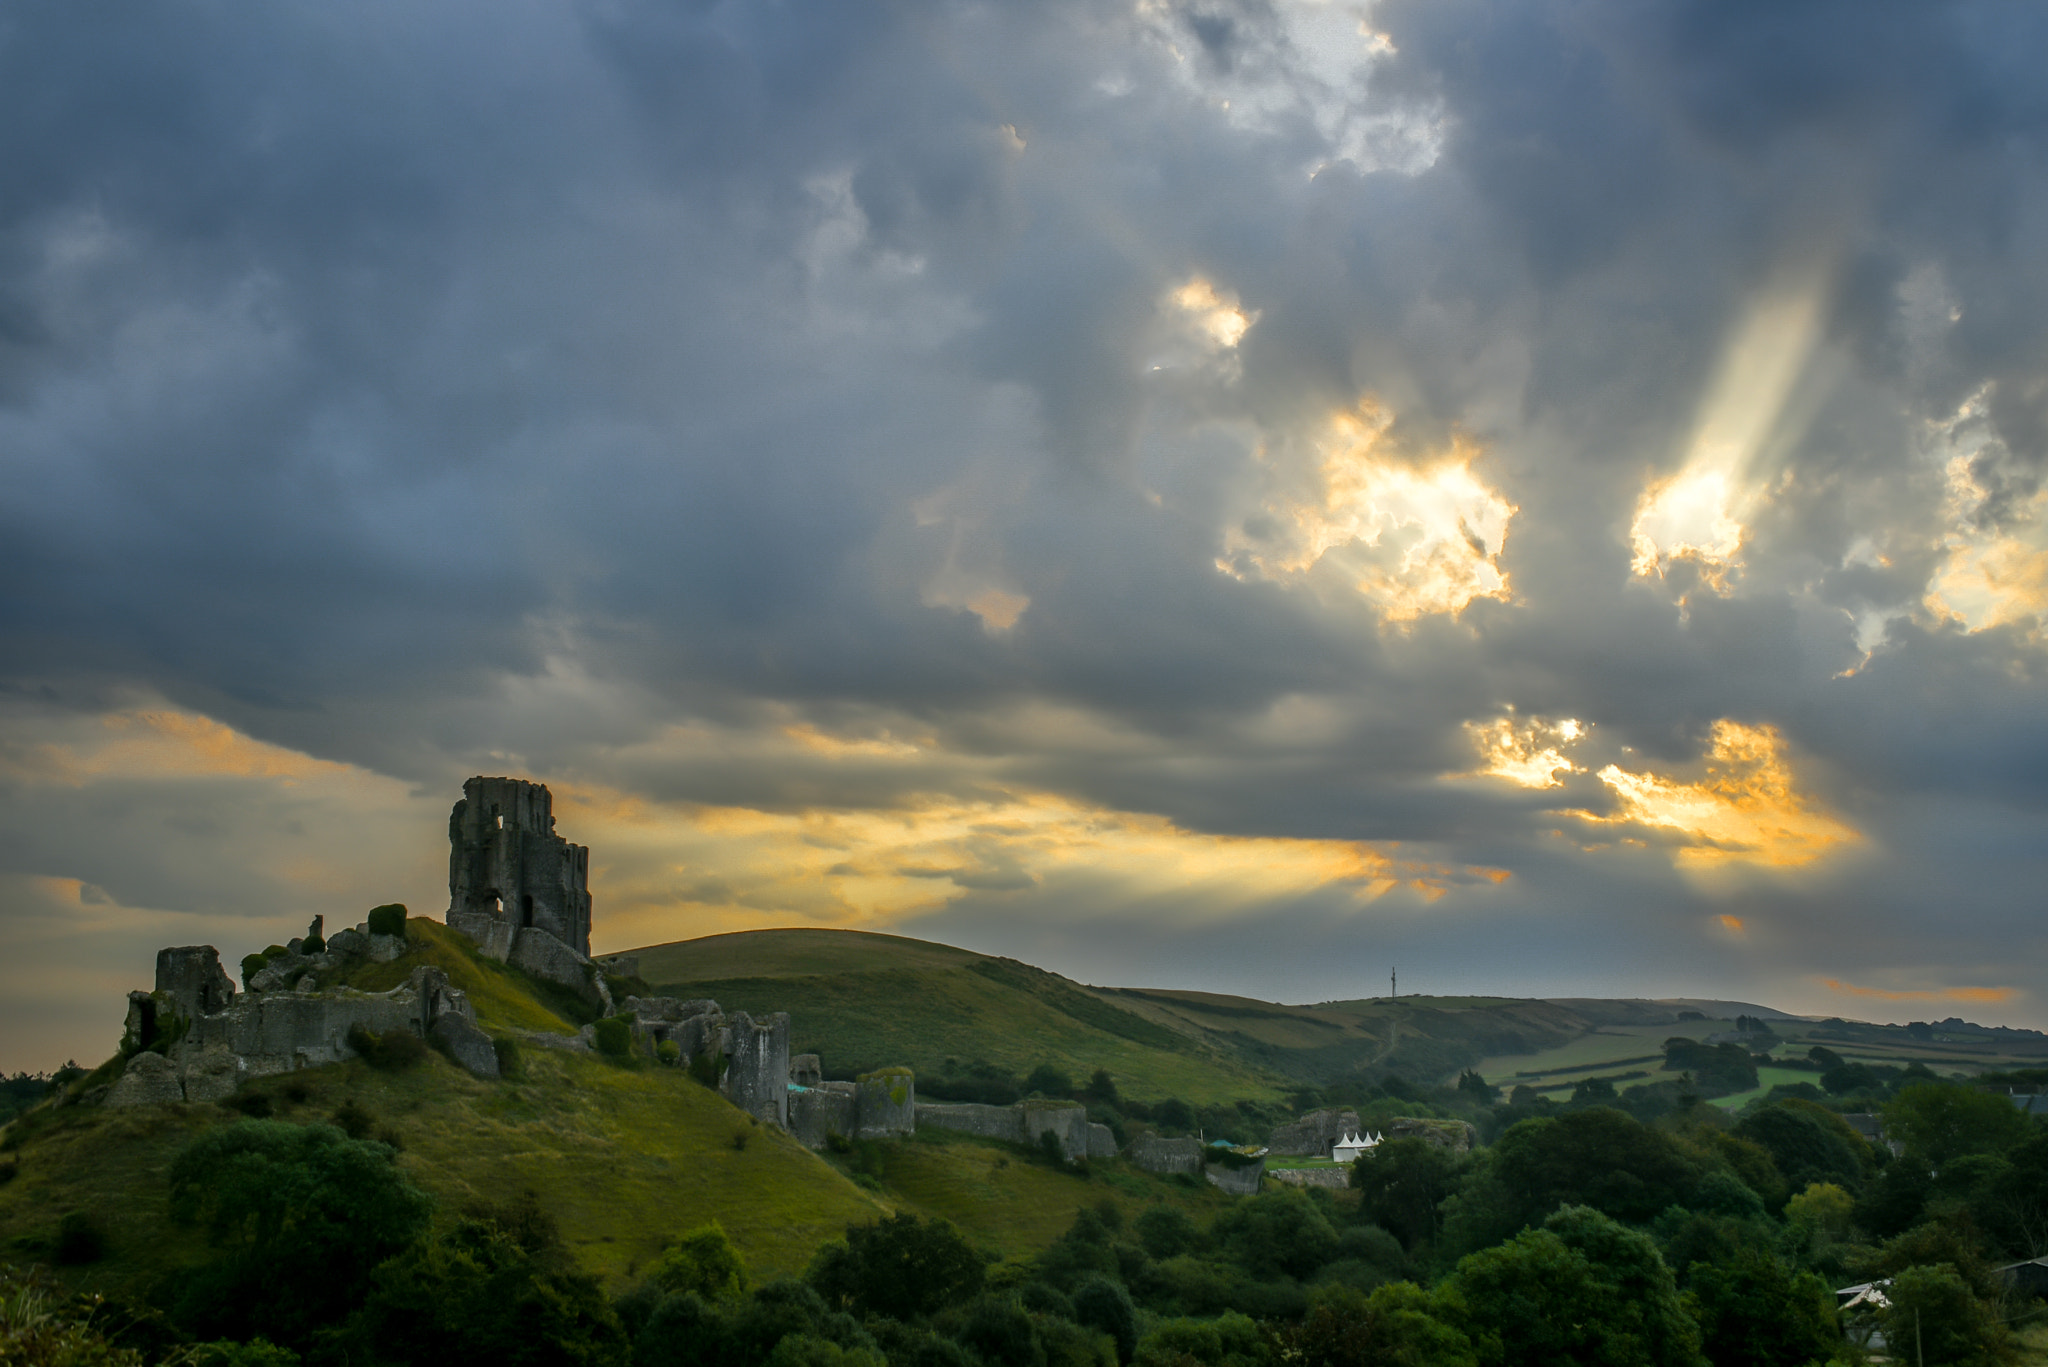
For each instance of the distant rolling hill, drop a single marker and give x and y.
(861, 1000)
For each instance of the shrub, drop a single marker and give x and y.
(9, 1171)
(1166, 1231)
(352, 1120)
(1101, 1304)
(506, 1048)
(255, 1105)
(80, 1240)
(739, 1138)
(390, 1051)
(669, 1052)
(614, 1037)
(388, 919)
(702, 1263)
(708, 1067)
(900, 1267)
(252, 964)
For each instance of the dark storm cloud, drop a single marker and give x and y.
(444, 388)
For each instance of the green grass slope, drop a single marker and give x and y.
(624, 1157)
(862, 1001)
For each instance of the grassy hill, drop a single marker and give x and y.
(624, 1156)
(861, 1000)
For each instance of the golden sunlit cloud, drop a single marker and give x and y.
(1527, 753)
(1416, 539)
(1698, 514)
(1996, 570)
(667, 871)
(1732, 924)
(1217, 318)
(1945, 994)
(1744, 807)
(164, 743)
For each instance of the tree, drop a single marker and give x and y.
(1404, 1183)
(1582, 1289)
(1103, 1305)
(1753, 1312)
(1280, 1233)
(900, 1267)
(1398, 1325)
(1598, 1158)
(299, 1216)
(1101, 1088)
(705, 1263)
(1807, 1144)
(1229, 1340)
(1049, 1079)
(1937, 1121)
(480, 1295)
(1167, 1231)
(1934, 1317)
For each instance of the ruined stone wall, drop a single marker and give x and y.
(989, 1122)
(887, 1104)
(198, 1055)
(1314, 1134)
(506, 865)
(1101, 1141)
(1021, 1123)
(1236, 1181)
(817, 1113)
(757, 1072)
(1166, 1156)
(1334, 1179)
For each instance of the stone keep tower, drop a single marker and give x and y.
(507, 867)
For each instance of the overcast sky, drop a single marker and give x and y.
(1238, 496)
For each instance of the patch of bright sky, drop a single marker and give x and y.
(1306, 59)
(1996, 570)
(1698, 513)
(1417, 539)
(1743, 805)
(1199, 328)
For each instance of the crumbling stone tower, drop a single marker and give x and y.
(508, 868)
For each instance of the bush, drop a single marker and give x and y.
(614, 1037)
(353, 1120)
(506, 1048)
(900, 1267)
(391, 1052)
(1167, 1231)
(252, 964)
(669, 1052)
(80, 1240)
(1101, 1304)
(740, 1137)
(708, 1067)
(255, 1105)
(388, 919)
(702, 1263)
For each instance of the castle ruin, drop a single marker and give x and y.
(521, 893)
(507, 869)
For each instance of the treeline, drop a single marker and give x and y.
(1583, 1236)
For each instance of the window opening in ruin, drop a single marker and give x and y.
(145, 1033)
(526, 909)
